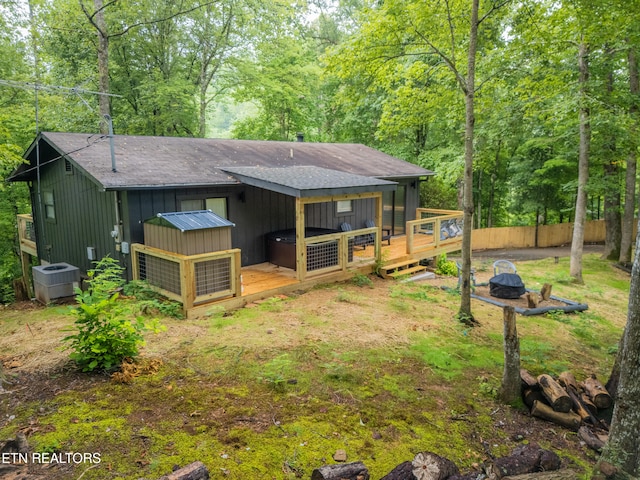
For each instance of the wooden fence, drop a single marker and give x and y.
(541, 236)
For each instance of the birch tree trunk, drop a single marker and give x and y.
(577, 242)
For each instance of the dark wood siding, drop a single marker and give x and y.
(85, 216)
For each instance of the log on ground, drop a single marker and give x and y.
(404, 471)
(529, 380)
(193, 471)
(429, 466)
(590, 439)
(556, 395)
(596, 391)
(557, 475)
(343, 471)
(524, 459)
(568, 420)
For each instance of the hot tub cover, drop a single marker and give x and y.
(506, 285)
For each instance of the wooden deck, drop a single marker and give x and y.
(266, 280)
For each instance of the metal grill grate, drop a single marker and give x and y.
(322, 255)
(213, 276)
(160, 272)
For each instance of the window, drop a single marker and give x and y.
(216, 205)
(49, 208)
(344, 206)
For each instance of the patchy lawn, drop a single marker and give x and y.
(381, 370)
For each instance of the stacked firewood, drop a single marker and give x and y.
(575, 405)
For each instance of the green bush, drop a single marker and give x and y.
(106, 334)
(446, 267)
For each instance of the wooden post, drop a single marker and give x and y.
(511, 381)
(301, 246)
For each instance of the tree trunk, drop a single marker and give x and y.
(465, 314)
(623, 446)
(630, 178)
(511, 382)
(103, 60)
(612, 201)
(577, 241)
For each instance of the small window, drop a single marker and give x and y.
(344, 206)
(191, 205)
(217, 206)
(49, 207)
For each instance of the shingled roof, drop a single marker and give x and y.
(164, 162)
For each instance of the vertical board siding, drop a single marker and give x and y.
(85, 216)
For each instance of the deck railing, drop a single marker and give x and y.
(433, 229)
(27, 234)
(189, 279)
(338, 251)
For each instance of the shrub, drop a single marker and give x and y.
(106, 334)
(446, 267)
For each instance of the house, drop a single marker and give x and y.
(92, 194)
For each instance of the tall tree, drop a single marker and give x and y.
(577, 240)
(623, 446)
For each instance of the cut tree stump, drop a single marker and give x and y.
(556, 395)
(532, 300)
(343, 471)
(545, 292)
(568, 420)
(597, 392)
(193, 471)
(429, 466)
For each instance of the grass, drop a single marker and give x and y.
(378, 368)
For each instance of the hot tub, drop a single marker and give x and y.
(281, 249)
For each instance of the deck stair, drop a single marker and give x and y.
(402, 268)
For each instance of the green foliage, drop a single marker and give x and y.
(446, 267)
(150, 301)
(275, 372)
(106, 334)
(361, 280)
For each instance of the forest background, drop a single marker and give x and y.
(555, 81)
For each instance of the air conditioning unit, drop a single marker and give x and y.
(56, 280)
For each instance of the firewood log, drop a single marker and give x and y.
(568, 420)
(597, 392)
(529, 380)
(193, 471)
(556, 395)
(343, 471)
(557, 475)
(404, 471)
(524, 459)
(532, 300)
(530, 395)
(570, 384)
(592, 441)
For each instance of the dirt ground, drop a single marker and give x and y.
(46, 372)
